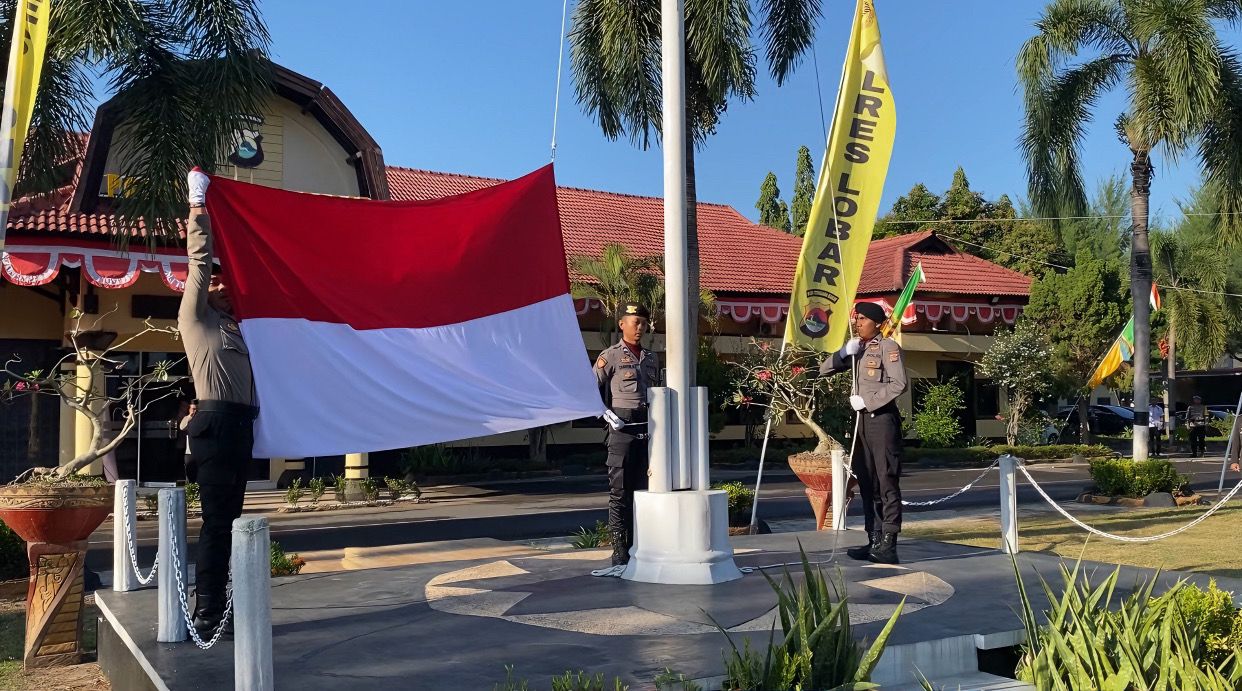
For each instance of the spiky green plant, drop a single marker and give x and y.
(1143, 645)
(817, 650)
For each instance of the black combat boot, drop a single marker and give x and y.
(620, 552)
(886, 551)
(863, 552)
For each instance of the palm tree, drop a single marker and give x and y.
(616, 277)
(1184, 89)
(615, 57)
(188, 73)
(1189, 261)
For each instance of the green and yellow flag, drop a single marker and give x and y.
(1121, 351)
(893, 325)
(25, 67)
(847, 196)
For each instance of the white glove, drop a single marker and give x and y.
(851, 347)
(613, 421)
(857, 403)
(196, 184)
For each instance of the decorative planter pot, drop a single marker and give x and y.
(815, 471)
(55, 521)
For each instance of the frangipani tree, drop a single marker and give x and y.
(95, 354)
(789, 384)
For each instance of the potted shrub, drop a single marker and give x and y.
(56, 509)
(789, 383)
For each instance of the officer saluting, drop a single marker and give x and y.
(880, 377)
(624, 372)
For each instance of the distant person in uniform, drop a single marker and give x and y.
(880, 377)
(221, 428)
(624, 372)
(1196, 422)
(1155, 426)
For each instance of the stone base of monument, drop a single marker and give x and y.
(681, 538)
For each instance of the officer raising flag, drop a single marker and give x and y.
(625, 371)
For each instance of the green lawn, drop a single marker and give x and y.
(1209, 548)
(12, 637)
(12, 631)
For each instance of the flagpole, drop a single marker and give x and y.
(825, 170)
(7, 125)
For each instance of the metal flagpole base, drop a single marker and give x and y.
(681, 538)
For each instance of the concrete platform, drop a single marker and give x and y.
(456, 625)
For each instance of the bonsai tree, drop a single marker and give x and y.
(789, 383)
(95, 353)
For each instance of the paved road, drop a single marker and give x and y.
(513, 510)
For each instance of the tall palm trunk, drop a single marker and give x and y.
(1140, 291)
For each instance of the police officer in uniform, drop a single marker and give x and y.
(880, 377)
(625, 371)
(221, 429)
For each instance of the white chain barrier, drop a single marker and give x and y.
(958, 493)
(130, 539)
(185, 604)
(1126, 538)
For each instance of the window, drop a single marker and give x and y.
(154, 306)
(987, 399)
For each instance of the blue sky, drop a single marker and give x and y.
(468, 87)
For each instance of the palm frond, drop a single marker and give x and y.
(1220, 149)
(186, 73)
(615, 53)
(718, 43)
(1179, 72)
(788, 31)
(1066, 28)
(1057, 113)
(1226, 10)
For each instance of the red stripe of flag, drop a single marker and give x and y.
(374, 265)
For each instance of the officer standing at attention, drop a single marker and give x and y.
(625, 371)
(880, 377)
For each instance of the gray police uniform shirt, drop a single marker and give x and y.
(218, 358)
(881, 371)
(624, 378)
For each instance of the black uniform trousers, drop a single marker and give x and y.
(221, 442)
(878, 469)
(1198, 440)
(627, 472)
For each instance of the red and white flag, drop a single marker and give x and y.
(381, 325)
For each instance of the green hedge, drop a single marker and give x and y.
(986, 454)
(1122, 477)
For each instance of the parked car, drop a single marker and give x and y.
(1101, 419)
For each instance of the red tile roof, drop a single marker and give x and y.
(736, 256)
(948, 270)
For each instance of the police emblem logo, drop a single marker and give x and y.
(894, 356)
(602, 362)
(870, 373)
(815, 322)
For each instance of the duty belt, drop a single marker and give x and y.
(228, 408)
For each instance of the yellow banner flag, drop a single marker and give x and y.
(26, 55)
(847, 196)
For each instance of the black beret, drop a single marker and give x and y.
(871, 311)
(633, 309)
